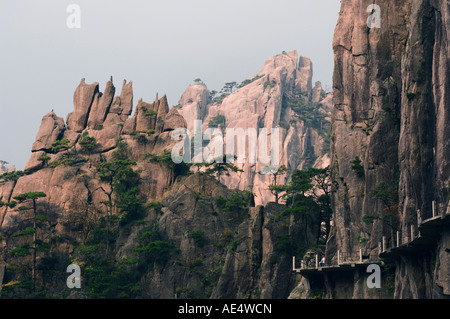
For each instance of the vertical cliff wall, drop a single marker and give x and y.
(390, 135)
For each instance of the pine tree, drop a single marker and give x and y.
(23, 198)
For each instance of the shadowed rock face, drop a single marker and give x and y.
(262, 103)
(100, 106)
(240, 258)
(391, 88)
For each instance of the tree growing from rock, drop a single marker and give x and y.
(221, 165)
(229, 87)
(357, 167)
(321, 194)
(275, 171)
(27, 198)
(309, 193)
(11, 176)
(388, 195)
(123, 189)
(61, 145)
(87, 143)
(165, 158)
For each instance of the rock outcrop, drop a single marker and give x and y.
(83, 99)
(264, 102)
(103, 118)
(50, 130)
(209, 240)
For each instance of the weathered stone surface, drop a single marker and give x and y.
(362, 126)
(146, 114)
(126, 97)
(106, 138)
(261, 104)
(238, 242)
(33, 163)
(305, 72)
(82, 100)
(174, 120)
(442, 272)
(50, 130)
(101, 106)
(129, 125)
(198, 95)
(116, 106)
(162, 106)
(391, 110)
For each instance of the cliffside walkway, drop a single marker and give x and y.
(421, 236)
(345, 261)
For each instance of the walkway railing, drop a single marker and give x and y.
(420, 234)
(342, 258)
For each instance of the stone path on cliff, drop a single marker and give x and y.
(345, 261)
(418, 238)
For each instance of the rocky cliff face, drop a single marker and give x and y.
(267, 101)
(99, 190)
(391, 87)
(194, 236)
(64, 166)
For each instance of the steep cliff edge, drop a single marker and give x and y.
(390, 142)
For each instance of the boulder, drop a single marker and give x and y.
(50, 130)
(174, 120)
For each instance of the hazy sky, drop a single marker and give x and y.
(162, 46)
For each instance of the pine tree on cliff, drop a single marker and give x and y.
(122, 183)
(220, 165)
(275, 171)
(166, 159)
(33, 197)
(388, 195)
(309, 192)
(112, 172)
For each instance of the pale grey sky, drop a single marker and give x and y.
(160, 45)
